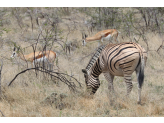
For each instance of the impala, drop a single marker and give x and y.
(47, 57)
(104, 35)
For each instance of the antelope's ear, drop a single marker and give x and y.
(84, 71)
(86, 35)
(18, 48)
(14, 49)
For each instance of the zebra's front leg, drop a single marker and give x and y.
(110, 78)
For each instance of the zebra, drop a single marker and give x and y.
(116, 60)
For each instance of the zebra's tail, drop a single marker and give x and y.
(141, 72)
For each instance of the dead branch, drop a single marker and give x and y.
(160, 47)
(2, 114)
(89, 54)
(61, 76)
(31, 19)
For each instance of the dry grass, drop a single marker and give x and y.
(24, 97)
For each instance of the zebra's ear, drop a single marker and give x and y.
(84, 71)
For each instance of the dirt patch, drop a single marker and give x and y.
(56, 100)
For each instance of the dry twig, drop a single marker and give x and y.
(2, 114)
(160, 47)
(61, 76)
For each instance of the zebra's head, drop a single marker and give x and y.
(87, 78)
(91, 82)
(84, 39)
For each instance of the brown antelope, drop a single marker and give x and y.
(104, 35)
(47, 57)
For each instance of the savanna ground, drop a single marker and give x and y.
(27, 96)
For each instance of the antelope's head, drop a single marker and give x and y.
(15, 52)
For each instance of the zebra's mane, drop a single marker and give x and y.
(94, 58)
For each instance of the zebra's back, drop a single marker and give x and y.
(122, 58)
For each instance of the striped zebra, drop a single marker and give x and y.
(116, 60)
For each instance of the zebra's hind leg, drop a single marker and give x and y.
(129, 85)
(110, 78)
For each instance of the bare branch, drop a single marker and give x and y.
(160, 47)
(72, 86)
(89, 54)
(2, 114)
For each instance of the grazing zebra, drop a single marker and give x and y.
(116, 60)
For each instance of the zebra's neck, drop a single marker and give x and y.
(94, 58)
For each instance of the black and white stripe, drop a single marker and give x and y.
(116, 60)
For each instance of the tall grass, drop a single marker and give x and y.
(24, 97)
